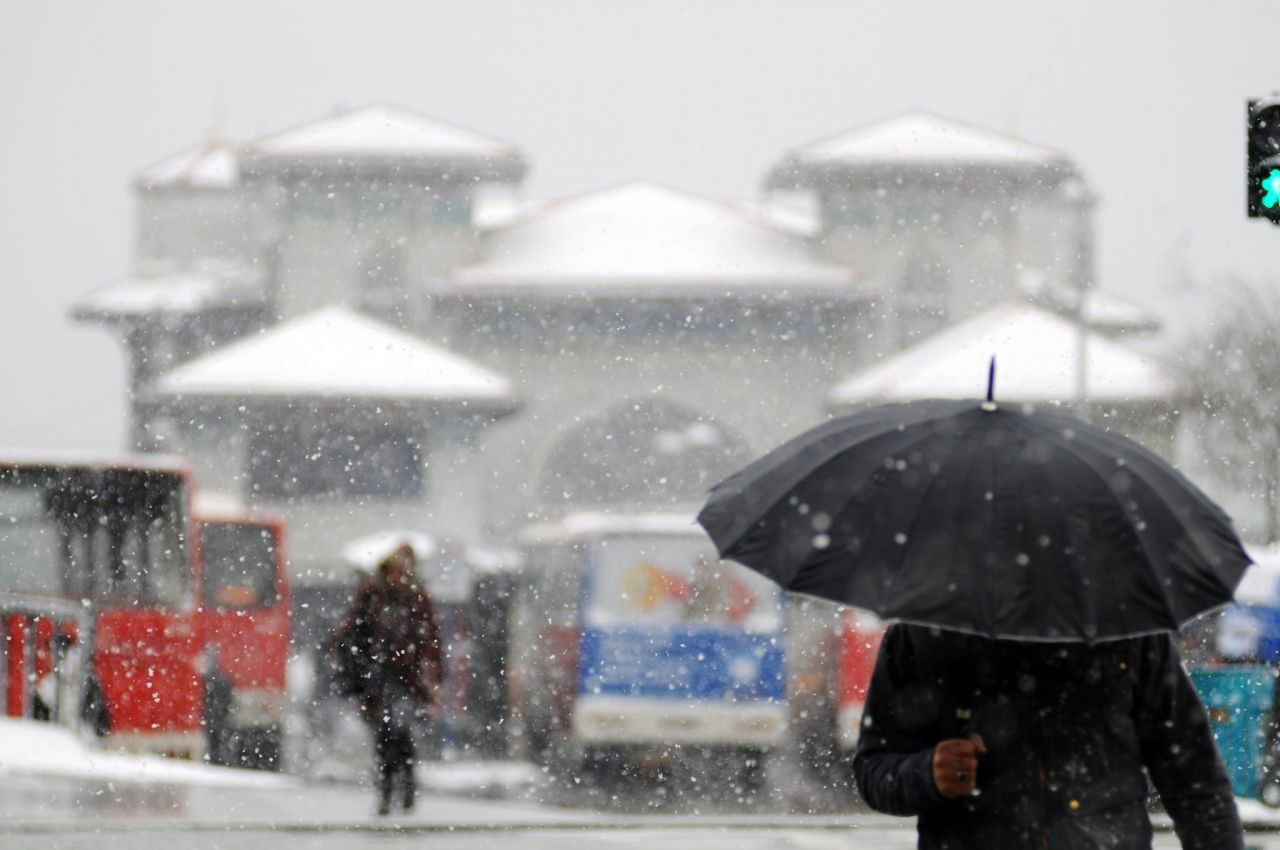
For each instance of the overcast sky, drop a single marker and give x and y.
(1148, 97)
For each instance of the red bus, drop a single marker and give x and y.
(244, 625)
(858, 643)
(188, 657)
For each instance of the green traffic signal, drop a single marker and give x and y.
(1271, 183)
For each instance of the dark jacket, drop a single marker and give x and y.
(1068, 729)
(393, 630)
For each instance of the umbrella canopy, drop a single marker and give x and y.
(1001, 521)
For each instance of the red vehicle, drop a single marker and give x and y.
(187, 658)
(244, 627)
(858, 642)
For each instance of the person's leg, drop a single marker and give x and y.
(384, 766)
(409, 779)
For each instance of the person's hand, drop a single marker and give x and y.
(955, 765)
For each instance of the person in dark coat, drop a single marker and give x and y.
(392, 627)
(1002, 744)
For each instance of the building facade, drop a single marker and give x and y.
(628, 346)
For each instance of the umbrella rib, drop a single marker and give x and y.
(1069, 451)
(929, 488)
(1180, 484)
(890, 425)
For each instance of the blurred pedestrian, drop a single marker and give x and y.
(1001, 744)
(387, 652)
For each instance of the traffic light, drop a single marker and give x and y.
(1263, 175)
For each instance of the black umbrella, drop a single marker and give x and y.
(996, 520)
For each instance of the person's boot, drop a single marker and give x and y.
(410, 787)
(384, 793)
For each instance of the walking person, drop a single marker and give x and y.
(1005, 744)
(1043, 564)
(388, 655)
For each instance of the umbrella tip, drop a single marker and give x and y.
(990, 403)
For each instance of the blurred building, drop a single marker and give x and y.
(359, 323)
(943, 219)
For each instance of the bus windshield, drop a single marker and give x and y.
(239, 562)
(113, 536)
(675, 581)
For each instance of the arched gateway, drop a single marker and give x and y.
(644, 451)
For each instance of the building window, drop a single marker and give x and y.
(922, 309)
(454, 210)
(382, 269)
(851, 213)
(300, 459)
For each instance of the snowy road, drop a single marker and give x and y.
(60, 812)
(865, 838)
(55, 793)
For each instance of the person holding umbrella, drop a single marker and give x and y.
(1036, 567)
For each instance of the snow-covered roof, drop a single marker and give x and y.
(29, 458)
(1107, 310)
(381, 137)
(493, 211)
(1104, 310)
(178, 293)
(1036, 354)
(914, 141)
(583, 524)
(785, 216)
(212, 165)
(643, 239)
(337, 354)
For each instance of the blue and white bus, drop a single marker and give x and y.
(631, 639)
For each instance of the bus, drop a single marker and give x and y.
(630, 642)
(182, 654)
(243, 619)
(857, 645)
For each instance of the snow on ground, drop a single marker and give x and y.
(488, 778)
(1255, 814)
(44, 749)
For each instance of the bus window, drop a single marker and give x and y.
(30, 560)
(112, 536)
(675, 581)
(137, 555)
(166, 559)
(239, 565)
(560, 586)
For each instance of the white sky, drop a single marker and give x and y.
(1148, 97)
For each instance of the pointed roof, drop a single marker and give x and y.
(212, 165)
(338, 355)
(380, 137)
(1105, 311)
(917, 141)
(1036, 351)
(640, 238)
(173, 292)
